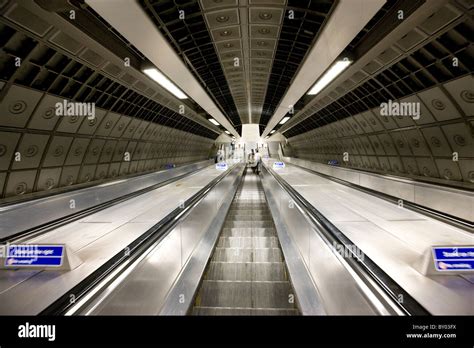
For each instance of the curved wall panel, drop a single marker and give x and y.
(401, 145)
(136, 128)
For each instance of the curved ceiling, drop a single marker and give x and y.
(245, 53)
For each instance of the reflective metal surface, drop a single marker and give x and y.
(145, 287)
(40, 211)
(334, 290)
(393, 237)
(456, 202)
(95, 241)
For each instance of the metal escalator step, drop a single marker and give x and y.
(241, 271)
(248, 232)
(263, 217)
(243, 311)
(248, 242)
(247, 255)
(260, 223)
(246, 212)
(248, 206)
(245, 294)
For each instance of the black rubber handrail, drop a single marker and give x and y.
(131, 252)
(364, 266)
(50, 225)
(450, 219)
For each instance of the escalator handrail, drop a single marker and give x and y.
(436, 214)
(56, 223)
(132, 251)
(364, 265)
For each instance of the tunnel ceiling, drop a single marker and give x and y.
(421, 59)
(270, 45)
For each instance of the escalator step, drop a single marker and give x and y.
(243, 311)
(246, 271)
(248, 232)
(255, 217)
(247, 255)
(245, 294)
(238, 212)
(248, 242)
(239, 223)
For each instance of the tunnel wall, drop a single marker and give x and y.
(80, 151)
(401, 145)
(136, 128)
(427, 61)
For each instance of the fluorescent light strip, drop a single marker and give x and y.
(165, 82)
(214, 122)
(284, 120)
(273, 131)
(330, 75)
(227, 132)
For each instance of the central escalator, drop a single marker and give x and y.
(247, 274)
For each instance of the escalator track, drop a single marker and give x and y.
(247, 274)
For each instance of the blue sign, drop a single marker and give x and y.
(221, 166)
(453, 258)
(278, 165)
(26, 255)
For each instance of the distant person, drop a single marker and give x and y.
(258, 161)
(251, 159)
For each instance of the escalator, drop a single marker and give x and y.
(247, 274)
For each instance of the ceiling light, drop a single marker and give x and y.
(330, 75)
(265, 16)
(283, 121)
(214, 122)
(273, 131)
(227, 132)
(222, 19)
(165, 83)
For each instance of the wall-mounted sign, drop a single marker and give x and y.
(458, 258)
(278, 165)
(30, 255)
(222, 166)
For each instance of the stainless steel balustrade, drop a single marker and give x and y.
(143, 287)
(40, 211)
(338, 290)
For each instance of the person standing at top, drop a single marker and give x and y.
(258, 161)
